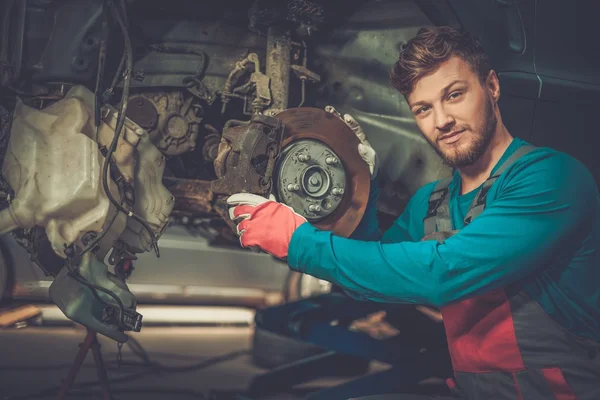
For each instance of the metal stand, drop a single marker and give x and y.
(91, 341)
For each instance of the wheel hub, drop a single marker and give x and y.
(319, 172)
(308, 179)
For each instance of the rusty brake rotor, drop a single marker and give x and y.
(333, 178)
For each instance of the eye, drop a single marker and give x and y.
(421, 110)
(455, 95)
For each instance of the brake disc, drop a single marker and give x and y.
(319, 172)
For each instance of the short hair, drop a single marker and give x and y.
(431, 47)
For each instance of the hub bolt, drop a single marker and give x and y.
(331, 161)
(314, 208)
(304, 158)
(293, 187)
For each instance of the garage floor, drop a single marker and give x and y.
(35, 357)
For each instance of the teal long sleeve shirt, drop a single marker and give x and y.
(541, 226)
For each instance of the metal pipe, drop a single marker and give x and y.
(279, 46)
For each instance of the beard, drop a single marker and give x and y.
(460, 156)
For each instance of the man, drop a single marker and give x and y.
(511, 249)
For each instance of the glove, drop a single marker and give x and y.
(366, 151)
(264, 223)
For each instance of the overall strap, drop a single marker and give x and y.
(478, 204)
(438, 210)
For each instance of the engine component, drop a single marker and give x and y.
(246, 157)
(63, 40)
(318, 150)
(172, 121)
(279, 47)
(310, 179)
(153, 202)
(42, 147)
(54, 164)
(36, 242)
(210, 148)
(96, 311)
(168, 65)
(192, 197)
(258, 82)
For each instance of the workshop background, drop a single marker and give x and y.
(208, 82)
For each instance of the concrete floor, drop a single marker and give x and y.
(35, 358)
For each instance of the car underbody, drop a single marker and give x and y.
(206, 101)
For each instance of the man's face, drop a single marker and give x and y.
(455, 112)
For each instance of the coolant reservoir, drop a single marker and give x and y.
(55, 171)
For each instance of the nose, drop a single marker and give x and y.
(443, 120)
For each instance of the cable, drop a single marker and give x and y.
(138, 350)
(121, 121)
(79, 278)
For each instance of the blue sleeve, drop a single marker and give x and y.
(368, 228)
(538, 205)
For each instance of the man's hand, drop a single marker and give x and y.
(264, 223)
(366, 151)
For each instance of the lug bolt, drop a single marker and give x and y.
(293, 188)
(331, 161)
(337, 192)
(303, 157)
(314, 208)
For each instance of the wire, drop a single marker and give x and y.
(121, 121)
(139, 350)
(79, 278)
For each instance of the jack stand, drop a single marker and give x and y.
(91, 341)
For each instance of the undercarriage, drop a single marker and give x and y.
(121, 116)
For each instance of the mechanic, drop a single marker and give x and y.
(508, 248)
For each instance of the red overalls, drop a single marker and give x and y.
(502, 344)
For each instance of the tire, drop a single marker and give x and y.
(270, 350)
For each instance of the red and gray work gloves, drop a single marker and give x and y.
(268, 224)
(263, 223)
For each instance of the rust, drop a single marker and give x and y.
(246, 157)
(315, 123)
(192, 197)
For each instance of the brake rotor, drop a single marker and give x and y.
(319, 171)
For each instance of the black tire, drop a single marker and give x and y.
(270, 350)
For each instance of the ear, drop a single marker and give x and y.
(492, 85)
